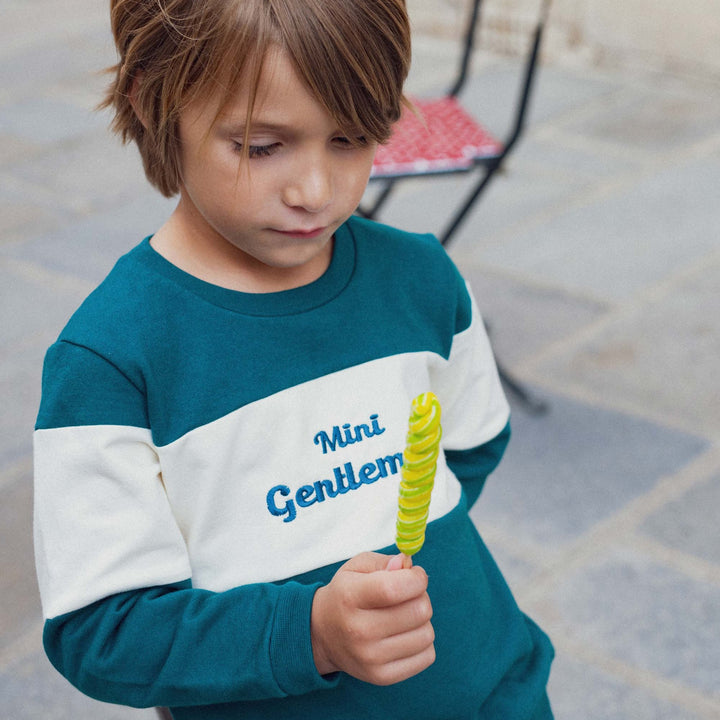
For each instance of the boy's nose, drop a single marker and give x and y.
(310, 187)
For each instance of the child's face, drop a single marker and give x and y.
(275, 213)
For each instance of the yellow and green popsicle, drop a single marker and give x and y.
(418, 474)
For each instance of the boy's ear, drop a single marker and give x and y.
(134, 90)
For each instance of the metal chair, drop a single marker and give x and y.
(442, 138)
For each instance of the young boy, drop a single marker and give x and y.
(220, 435)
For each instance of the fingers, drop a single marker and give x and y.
(369, 562)
(394, 659)
(373, 624)
(383, 646)
(400, 619)
(384, 589)
(402, 669)
(390, 646)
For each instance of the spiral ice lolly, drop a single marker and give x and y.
(418, 474)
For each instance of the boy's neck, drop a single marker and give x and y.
(211, 258)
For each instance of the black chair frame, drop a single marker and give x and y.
(490, 164)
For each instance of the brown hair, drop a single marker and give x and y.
(353, 55)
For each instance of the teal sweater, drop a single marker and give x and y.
(206, 459)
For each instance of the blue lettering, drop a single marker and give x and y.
(323, 486)
(377, 430)
(288, 508)
(349, 439)
(348, 435)
(354, 485)
(327, 442)
(393, 462)
(340, 477)
(304, 496)
(343, 481)
(369, 473)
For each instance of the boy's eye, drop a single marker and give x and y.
(257, 151)
(356, 141)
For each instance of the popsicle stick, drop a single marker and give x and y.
(406, 561)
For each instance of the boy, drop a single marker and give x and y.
(220, 436)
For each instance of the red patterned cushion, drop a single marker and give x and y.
(446, 139)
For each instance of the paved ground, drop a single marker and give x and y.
(596, 259)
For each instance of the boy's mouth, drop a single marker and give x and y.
(303, 234)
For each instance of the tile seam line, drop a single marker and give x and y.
(621, 525)
(632, 88)
(466, 262)
(691, 566)
(576, 390)
(559, 138)
(610, 187)
(696, 568)
(658, 685)
(615, 311)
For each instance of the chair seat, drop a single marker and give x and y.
(446, 139)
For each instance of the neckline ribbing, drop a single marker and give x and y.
(287, 302)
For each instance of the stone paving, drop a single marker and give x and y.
(596, 260)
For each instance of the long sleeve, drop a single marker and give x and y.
(472, 467)
(123, 622)
(174, 645)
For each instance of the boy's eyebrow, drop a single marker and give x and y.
(239, 124)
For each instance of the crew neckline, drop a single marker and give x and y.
(285, 302)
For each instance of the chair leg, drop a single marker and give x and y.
(460, 214)
(528, 401)
(163, 713)
(374, 209)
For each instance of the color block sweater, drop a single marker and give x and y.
(206, 459)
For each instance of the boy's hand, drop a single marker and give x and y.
(373, 624)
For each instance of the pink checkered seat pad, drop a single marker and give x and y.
(446, 139)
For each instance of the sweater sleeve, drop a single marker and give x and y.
(476, 414)
(174, 645)
(123, 621)
(472, 467)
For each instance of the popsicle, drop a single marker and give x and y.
(418, 474)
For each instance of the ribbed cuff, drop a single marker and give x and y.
(291, 648)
